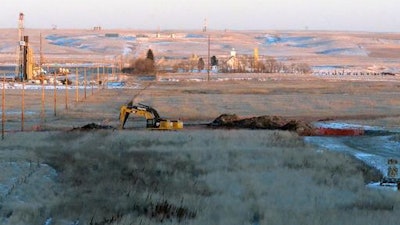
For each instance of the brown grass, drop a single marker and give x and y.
(303, 97)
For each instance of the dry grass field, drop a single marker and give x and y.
(52, 174)
(191, 177)
(304, 97)
(198, 175)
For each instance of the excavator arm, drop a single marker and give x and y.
(139, 111)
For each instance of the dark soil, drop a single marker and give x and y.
(93, 126)
(263, 122)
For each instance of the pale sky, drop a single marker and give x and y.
(347, 15)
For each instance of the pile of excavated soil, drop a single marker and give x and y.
(263, 122)
(93, 126)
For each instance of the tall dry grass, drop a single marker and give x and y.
(195, 177)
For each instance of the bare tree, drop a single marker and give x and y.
(200, 64)
(214, 61)
(270, 65)
(150, 55)
(259, 67)
(193, 62)
(303, 68)
(141, 66)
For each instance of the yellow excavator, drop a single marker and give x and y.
(153, 119)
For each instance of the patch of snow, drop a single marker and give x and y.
(48, 221)
(127, 50)
(164, 79)
(344, 51)
(343, 125)
(296, 41)
(337, 144)
(195, 36)
(389, 41)
(271, 39)
(115, 84)
(327, 67)
(382, 187)
(110, 85)
(128, 38)
(16, 112)
(196, 80)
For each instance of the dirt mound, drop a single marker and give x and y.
(93, 126)
(263, 122)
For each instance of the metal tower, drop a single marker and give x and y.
(205, 25)
(20, 26)
(21, 44)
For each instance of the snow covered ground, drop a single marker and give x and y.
(375, 150)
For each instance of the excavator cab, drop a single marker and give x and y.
(153, 119)
(151, 123)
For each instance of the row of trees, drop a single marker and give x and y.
(268, 65)
(242, 64)
(142, 65)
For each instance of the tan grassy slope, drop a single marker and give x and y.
(349, 49)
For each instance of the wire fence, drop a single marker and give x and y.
(31, 103)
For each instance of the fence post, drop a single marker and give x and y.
(23, 106)
(42, 115)
(84, 74)
(91, 78)
(3, 107)
(55, 92)
(98, 78)
(66, 91)
(76, 85)
(103, 82)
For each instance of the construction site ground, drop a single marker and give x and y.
(195, 100)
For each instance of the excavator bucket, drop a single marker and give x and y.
(123, 116)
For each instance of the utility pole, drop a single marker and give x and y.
(41, 59)
(41, 79)
(208, 59)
